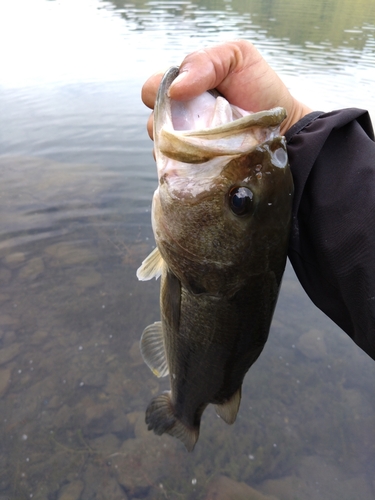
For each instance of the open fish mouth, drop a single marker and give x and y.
(207, 127)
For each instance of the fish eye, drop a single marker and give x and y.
(240, 200)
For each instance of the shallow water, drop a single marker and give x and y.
(76, 182)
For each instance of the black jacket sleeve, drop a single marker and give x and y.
(332, 246)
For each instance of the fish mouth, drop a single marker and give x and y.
(206, 130)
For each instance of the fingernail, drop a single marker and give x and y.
(177, 80)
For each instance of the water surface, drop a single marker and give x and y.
(76, 182)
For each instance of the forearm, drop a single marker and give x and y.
(332, 244)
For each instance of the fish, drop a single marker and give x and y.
(221, 218)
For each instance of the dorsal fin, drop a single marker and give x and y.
(228, 410)
(151, 267)
(152, 349)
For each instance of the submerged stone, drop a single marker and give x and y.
(137, 420)
(5, 377)
(311, 344)
(106, 444)
(5, 276)
(317, 478)
(72, 491)
(135, 354)
(100, 485)
(7, 320)
(40, 336)
(32, 269)
(69, 254)
(14, 259)
(88, 279)
(224, 488)
(141, 462)
(9, 353)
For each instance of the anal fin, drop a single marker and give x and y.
(153, 351)
(228, 410)
(161, 419)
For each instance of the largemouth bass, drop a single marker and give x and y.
(221, 219)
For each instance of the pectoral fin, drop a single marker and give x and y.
(228, 410)
(152, 349)
(151, 267)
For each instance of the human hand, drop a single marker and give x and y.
(238, 71)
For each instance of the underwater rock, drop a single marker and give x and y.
(320, 475)
(5, 477)
(8, 337)
(5, 377)
(140, 428)
(5, 276)
(39, 337)
(311, 344)
(106, 444)
(224, 488)
(95, 378)
(3, 296)
(137, 420)
(7, 320)
(140, 463)
(72, 491)
(111, 490)
(88, 279)
(68, 254)
(100, 485)
(129, 387)
(39, 495)
(9, 353)
(97, 416)
(14, 260)
(135, 354)
(55, 402)
(63, 417)
(316, 478)
(284, 487)
(32, 269)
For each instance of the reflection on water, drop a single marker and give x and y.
(297, 22)
(76, 182)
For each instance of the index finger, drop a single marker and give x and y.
(150, 88)
(227, 67)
